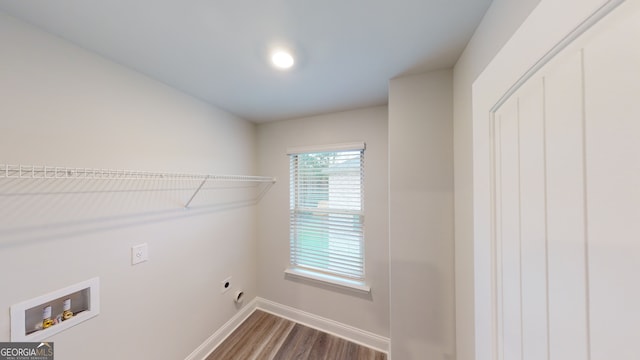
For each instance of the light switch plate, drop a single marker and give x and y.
(139, 253)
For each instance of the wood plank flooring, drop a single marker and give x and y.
(264, 336)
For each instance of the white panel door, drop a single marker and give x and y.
(612, 136)
(566, 201)
(533, 221)
(566, 241)
(508, 235)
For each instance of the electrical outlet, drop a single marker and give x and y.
(139, 253)
(226, 285)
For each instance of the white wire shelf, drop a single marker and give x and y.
(57, 172)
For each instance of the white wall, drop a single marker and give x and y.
(60, 105)
(421, 216)
(363, 312)
(500, 22)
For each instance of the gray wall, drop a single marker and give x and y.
(60, 105)
(370, 313)
(421, 216)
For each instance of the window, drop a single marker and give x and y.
(326, 211)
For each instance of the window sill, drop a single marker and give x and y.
(351, 285)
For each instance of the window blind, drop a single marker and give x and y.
(326, 212)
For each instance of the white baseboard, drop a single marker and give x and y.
(329, 326)
(221, 334)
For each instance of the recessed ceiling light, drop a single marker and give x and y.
(282, 59)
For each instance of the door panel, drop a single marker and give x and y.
(509, 230)
(565, 210)
(533, 222)
(612, 76)
(566, 163)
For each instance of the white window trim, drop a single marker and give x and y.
(326, 148)
(338, 282)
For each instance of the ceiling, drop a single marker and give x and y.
(217, 50)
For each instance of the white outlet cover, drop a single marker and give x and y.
(139, 253)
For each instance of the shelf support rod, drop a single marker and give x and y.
(196, 192)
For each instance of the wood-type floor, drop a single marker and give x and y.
(264, 336)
